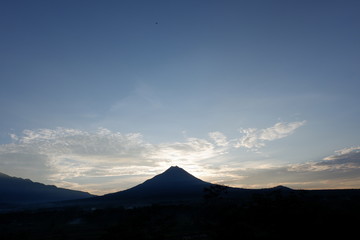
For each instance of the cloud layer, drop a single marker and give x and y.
(341, 170)
(105, 161)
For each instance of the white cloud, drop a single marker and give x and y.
(219, 138)
(250, 139)
(255, 138)
(72, 142)
(193, 150)
(279, 130)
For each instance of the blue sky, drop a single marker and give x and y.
(101, 95)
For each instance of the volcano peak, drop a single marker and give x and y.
(175, 170)
(174, 175)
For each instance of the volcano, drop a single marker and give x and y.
(173, 184)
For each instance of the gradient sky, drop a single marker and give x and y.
(101, 95)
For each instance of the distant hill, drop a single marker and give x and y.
(15, 190)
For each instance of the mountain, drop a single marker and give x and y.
(23, 191)
(174, 183)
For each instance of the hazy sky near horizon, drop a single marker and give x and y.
(101, 95)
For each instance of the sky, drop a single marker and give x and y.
(101, 95)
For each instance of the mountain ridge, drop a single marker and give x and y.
(173, 186)
(16, 190)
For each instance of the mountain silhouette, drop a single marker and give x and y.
(15, 190)
(173, 184)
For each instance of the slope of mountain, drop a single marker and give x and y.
(22, 191)
(174, 183)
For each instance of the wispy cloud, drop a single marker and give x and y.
(219, 138)
(193, 149)
(255, 138)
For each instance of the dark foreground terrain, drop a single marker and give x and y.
(276, 214)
